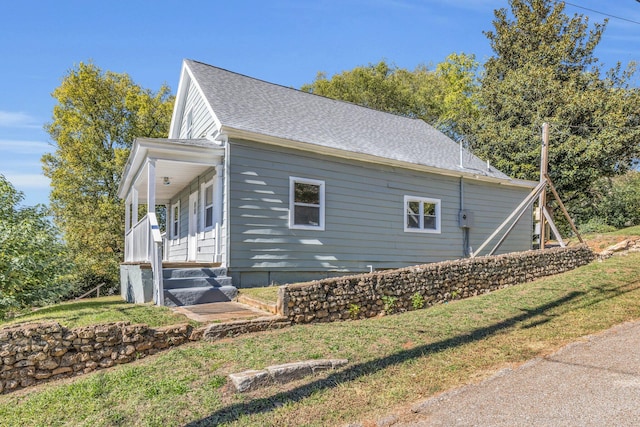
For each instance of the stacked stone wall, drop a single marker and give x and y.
(372, 294)
(35, 353)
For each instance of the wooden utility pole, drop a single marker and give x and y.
(540, 192)
(542, 200)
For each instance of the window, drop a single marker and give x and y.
(421, 215)
(207, 203)
(175, 220)
(306, 203)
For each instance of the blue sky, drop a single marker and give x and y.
(281, 41)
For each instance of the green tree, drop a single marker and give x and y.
(376, 86)
(97, 116)
(457, 98)
(616, 201)
(33, 261)
(441, 97)
(544, 70)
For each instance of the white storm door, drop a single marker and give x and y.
(193, 227)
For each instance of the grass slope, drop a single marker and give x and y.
(393, 360)
(100, 310)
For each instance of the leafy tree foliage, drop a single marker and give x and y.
(33, 260)
(442, 97)
(544, 70)
(97, 117)
(616, 201)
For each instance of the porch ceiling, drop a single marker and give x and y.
(178, 175)
(179, 161)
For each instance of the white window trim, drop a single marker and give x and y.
(292, 182)
(422, 200)
(203, 201)
(173, 220)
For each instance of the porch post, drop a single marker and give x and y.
(127, 227)
(134, 206)
(218, 211)
(127, 214)
(218, 193)
(151, 185)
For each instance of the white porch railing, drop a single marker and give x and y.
(143, 243)
(137, 245)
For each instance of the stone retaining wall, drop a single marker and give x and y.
(371, 294)
(34, 353)
(39, 352)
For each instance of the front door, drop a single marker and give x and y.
(193, 227)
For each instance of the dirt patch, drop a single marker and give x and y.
(600, 242)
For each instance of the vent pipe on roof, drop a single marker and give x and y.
(461, 152)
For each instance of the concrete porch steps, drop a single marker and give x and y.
(196, 285)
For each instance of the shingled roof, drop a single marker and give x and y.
(256, 106)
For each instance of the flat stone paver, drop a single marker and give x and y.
(220, 312)
(595, 382)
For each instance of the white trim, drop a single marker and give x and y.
(127, 214)
(192, 233)
(203, 204)
(294, 180)
(178, 109)
(175, 235)
(151, 184)
(225, 209)
(422, 201)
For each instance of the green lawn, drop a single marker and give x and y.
(100, 310)
(393, 360)
(268, 294)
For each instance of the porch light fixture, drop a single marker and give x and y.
(166, 181)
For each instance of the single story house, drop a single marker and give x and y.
(264, 184)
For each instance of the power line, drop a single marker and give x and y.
(603, 13)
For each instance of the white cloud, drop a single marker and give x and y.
(28, 180)
(17, 119)
(15, 146)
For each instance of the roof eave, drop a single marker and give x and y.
(369, 158)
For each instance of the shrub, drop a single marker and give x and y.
(33, 261)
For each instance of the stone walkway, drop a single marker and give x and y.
(220, 312)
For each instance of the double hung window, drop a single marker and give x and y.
(306, 203)
(421, 214)
(207, 204)
(175, 220)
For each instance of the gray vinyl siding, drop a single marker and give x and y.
(205, 242)
(202, 122)
(364, 215)
(491, 204)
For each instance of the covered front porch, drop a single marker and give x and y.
(173, 192)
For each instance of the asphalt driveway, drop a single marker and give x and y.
(592, 382)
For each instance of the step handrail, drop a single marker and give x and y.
(156, 258)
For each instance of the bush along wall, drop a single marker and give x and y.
(372, 294)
